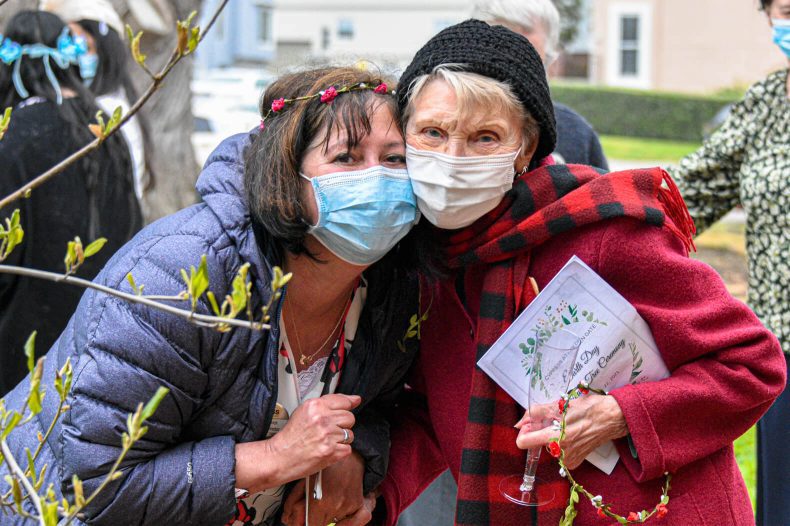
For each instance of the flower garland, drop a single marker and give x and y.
(604, 510)
(326, 96)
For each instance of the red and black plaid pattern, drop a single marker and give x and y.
(543, 203)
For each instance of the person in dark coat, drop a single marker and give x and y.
(321, 191)
(92, 198)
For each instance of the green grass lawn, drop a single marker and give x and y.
(746, 455)
(639, 149)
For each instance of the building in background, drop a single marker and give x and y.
(244, 33)
(575, 61)
(282, 33)
(696, 46)
(386, 32)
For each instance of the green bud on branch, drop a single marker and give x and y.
(10, 236)
(5, 121)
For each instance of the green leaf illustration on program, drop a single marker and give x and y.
(553, 319)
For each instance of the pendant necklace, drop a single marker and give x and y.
(303, 358)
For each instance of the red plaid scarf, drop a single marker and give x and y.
(543, 203)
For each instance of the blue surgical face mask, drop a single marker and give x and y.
(363, 214)
(89, 65)
(782, 34)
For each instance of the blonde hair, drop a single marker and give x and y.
(473, 91)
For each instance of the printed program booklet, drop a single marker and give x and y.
(617, 347)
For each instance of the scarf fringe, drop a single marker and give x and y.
(675, 208)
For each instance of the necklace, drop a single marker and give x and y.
(304, 358)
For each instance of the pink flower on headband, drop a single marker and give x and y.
(278, 104)
(328, 95)
(381, 89)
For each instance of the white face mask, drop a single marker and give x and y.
(454, 192)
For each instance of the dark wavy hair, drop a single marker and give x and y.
(32, 27)
(765, 4)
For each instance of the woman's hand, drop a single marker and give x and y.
(591, 420)
(311, 440)
(342, 497)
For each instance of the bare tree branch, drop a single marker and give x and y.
(214, 18)
(19, 474)
(200, 319)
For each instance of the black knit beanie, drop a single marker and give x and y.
(495, 52)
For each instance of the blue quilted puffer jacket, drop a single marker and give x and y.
(222, 385)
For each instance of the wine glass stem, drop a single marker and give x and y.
(533, 456)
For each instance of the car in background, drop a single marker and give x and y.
(225, 102)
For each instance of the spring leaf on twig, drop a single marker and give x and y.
(188, 36)
(76, 254)
(10, 236)
(4, 122)
(134, 40)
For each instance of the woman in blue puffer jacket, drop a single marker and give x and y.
(321, 191)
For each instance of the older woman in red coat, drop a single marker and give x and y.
(478, 117)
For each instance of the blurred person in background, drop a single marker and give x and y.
(747, 162)
(39, 79)
(104, 71)
(577, 143)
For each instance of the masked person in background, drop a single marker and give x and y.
(747, 162)
(321, 190)
(39, 80)
(104, 71)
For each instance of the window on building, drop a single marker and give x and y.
(629, 45)
(264, 24)
(345, 28)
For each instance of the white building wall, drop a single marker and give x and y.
(384, 31)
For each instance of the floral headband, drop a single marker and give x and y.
(326, 96)
(69, 49)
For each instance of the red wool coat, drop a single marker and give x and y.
(726, 371)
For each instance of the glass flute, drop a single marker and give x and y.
(549, 360)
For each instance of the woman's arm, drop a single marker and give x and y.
(709, 179)
(726, 367)
(124, 359)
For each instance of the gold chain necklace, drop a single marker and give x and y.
(303, 359)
